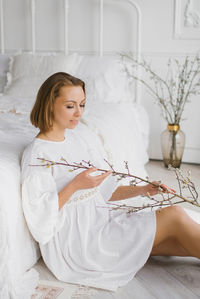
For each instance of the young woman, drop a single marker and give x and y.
(80, 241)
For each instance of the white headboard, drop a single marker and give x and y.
(66, 12)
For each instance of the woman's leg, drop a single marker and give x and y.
(176, 233)
(170, 247)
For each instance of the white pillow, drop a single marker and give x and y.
(16, 105)
(124, 131)
(28, 71)
(105, 79)
(4, 66)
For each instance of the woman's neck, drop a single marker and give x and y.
(52, 135)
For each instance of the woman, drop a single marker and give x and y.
(80, 241)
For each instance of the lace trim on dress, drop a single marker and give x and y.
(83, 195)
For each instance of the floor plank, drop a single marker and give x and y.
(133, 290)
(161, 283)
(185, 270)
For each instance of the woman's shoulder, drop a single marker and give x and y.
(34, 150)
(33, 147)
(42, 149)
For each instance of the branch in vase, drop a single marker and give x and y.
(173, 92)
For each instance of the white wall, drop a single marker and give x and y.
(158, 44)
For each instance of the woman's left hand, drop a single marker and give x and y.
(153, 190)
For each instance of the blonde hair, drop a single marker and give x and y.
(42, 113)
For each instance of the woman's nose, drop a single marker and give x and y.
(77, 111)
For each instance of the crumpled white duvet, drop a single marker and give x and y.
(18, 250)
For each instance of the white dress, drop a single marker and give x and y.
(85, 242)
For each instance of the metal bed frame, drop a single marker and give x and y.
(66, 28)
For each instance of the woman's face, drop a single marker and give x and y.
(68, 107)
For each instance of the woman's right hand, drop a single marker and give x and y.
(85, 180)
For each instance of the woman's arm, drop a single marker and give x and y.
(83, 180)
(65, 194)
(124, 192)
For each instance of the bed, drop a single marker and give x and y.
(113, 113)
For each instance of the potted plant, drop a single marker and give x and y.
(171, 93)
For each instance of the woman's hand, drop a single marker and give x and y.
(153, 190)
(85, 180)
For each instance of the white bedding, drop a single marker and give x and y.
(14, 136)
(18, 249)
(124, 131)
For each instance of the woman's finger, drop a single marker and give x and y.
(101, 177)
(90, 170)
(168, 189)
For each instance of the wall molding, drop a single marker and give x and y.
(191, 15)
(186, 20)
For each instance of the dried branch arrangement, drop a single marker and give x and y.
(187, 192)
(172, 91)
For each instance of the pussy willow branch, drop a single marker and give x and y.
(166, 112)
(166, 199)
(173, 92)
(190, 89)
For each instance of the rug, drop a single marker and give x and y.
(55, 290)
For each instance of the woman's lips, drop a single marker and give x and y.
(75, 122)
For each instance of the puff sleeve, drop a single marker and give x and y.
(41, 207)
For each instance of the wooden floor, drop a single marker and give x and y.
(161, 277)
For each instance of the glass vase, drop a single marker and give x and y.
(172, 144)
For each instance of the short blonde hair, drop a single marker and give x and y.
(42, 113)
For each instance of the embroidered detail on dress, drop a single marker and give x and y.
(84, 195)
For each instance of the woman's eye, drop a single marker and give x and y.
(71, 106)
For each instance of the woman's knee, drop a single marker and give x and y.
(170, 221)
(176, 214)
(166, 223)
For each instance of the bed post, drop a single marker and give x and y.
(66, 26)
(101, 29)
(2, 28)
(138, 49)
(33, 24)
